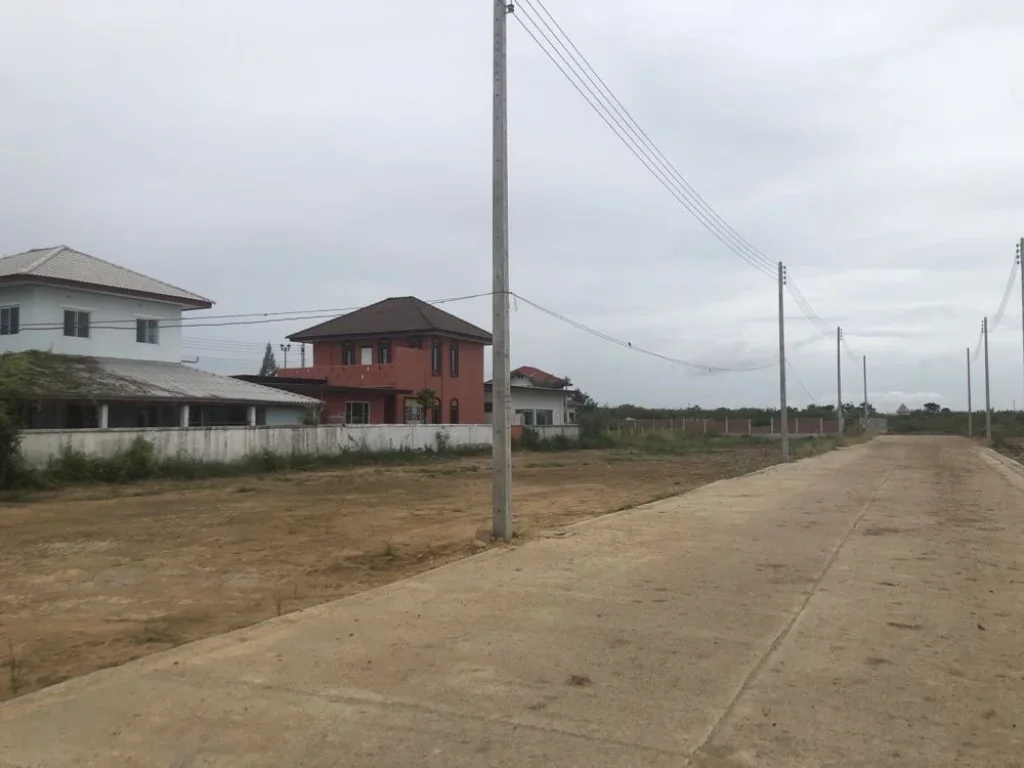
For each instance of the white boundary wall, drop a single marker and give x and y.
(226, 444)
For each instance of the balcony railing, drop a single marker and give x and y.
(375, 375)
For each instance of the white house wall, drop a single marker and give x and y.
(45, 305)
(535, 399)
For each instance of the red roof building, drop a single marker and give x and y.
(372, 363)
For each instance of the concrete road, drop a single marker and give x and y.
(865, 608)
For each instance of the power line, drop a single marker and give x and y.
(1000, 311)
(810, 397)
(579, 72)
(817, 321)
(261, 318)
(1007, 292)
(621, 123)
(629, 345)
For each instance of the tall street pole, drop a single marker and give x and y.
(501, 507)
(839, 377)
(864, 363)
(988, 402)
(970, 412)
(782, 367)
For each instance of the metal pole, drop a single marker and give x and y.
(970, 412)
(782, 367)
(501, 508)
(839, 377)
(988, 402)
(302, 355)
(864, 362)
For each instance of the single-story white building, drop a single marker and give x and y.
(538, 399)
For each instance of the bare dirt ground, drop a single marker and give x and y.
(97, 576)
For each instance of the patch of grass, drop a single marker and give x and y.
(15, 670)
(389, 549)
(246, 489)
(139, 462)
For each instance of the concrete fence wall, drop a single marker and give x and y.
(569, 431)
(228, 444)
(798, 427)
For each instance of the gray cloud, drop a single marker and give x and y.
(330, 155)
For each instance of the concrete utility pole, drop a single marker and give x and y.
(302, 355)
(864, 362)
(284, 349)
(988, 402)
(782, 367)
(970, 412)
(501, 507)
(839, 377)
(1020, 266)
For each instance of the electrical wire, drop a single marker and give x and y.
(710, 369)
(810, 397)
(262, 318)
(1007, 292)
(805, 306)
(609, 109)
(994, 321)
(586, 80)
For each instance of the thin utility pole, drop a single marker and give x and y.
(501, 507)
(970, 412)
(1020, 266)
(839, 376)
(864, 363)
(782, 367)
(988, 402)
(302, 355)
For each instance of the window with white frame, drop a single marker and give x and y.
(147, 331)
(10, 321)
(357, 413)
(76, 323)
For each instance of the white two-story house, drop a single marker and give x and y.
(115, 336)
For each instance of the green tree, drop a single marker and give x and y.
(931, 407)
(425, 397)
(269, 365)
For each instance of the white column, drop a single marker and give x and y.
(104, 416)
(184, 415)
(252, 416)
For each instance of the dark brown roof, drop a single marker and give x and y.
(392, 317)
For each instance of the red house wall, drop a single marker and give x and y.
(409, 369)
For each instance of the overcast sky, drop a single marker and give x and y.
(326, 154)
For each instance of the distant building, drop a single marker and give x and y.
(372, 363)
(539, 399)
(903, 410)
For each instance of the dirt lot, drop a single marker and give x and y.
(97, 576)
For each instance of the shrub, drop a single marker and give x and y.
(13, 472)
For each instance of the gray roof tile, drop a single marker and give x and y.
(66, 265)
